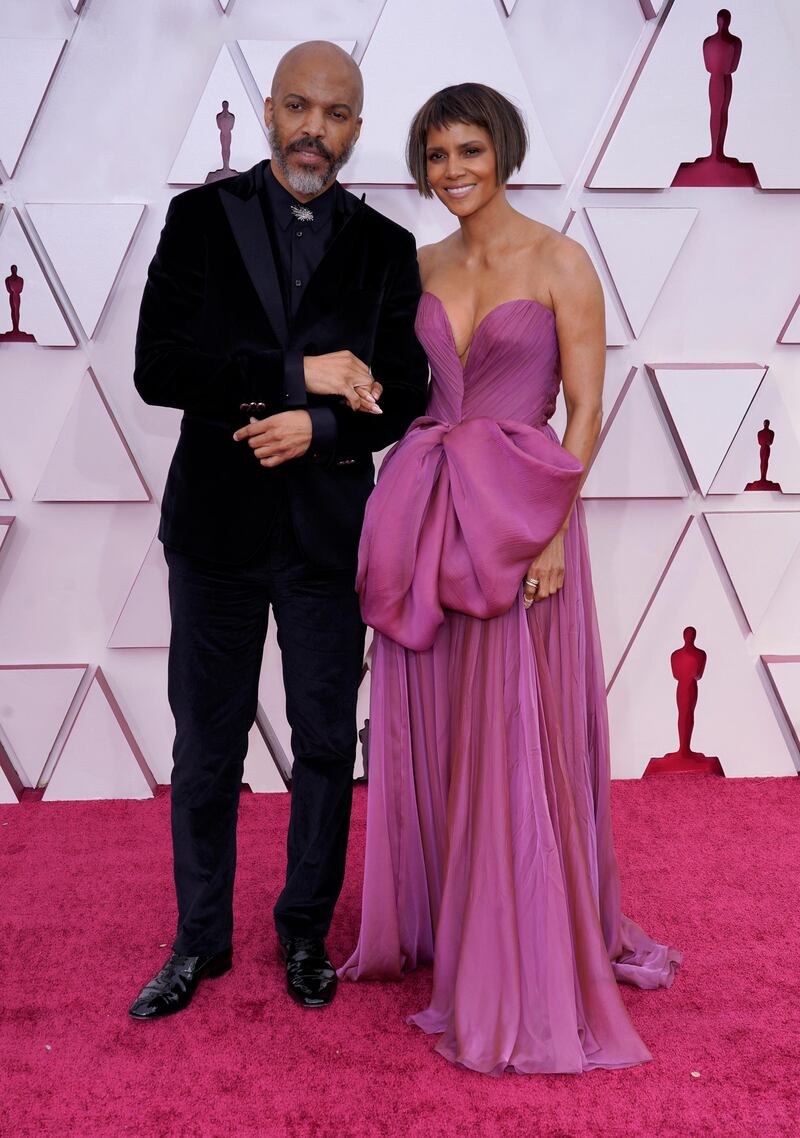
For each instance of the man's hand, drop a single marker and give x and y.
(279, 438)
(343, 374)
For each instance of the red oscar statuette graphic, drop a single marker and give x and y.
(225, 124)
(721, 54)
(688, 664)
(14, 286)
(766, 437)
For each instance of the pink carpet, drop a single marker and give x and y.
(708, 864)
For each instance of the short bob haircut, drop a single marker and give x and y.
(473, 104)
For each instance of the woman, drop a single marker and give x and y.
(489, 844)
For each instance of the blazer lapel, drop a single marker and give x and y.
(250, 230)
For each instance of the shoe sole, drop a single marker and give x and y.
(310, 1007)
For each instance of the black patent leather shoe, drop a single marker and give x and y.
(172, 989)
(310, 976)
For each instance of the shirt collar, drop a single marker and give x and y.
(281, 201)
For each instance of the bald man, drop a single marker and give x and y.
(278, 316)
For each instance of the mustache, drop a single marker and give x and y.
(310, 144)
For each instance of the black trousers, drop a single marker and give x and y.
(219, 624)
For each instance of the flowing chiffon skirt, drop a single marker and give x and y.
(489, 842)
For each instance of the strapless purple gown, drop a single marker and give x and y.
(489, 846)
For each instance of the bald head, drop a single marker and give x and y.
(329, 66)
(313, 115)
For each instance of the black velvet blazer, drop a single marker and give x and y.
(213, 334)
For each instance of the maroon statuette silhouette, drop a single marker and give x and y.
(225, 124)
(766, 437)
(721, 54)
(688, 664)
(14, 286)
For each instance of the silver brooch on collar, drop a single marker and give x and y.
(302, 213)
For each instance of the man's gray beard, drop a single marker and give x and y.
(304, 182)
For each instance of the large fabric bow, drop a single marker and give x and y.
(457, 516)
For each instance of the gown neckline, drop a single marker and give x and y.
(481, 322)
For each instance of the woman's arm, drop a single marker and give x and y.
(580, 324)
(577, 298)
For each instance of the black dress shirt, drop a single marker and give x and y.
(298, 247)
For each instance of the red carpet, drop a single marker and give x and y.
(708, 864)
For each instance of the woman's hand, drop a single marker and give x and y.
(343, 374)
(368, 395)
(548, 570)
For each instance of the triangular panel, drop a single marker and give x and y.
(636, 458)
(272, 703)
(263, 56)
(766, 540)
(762, 116)
(509, 6)
(784, 671)
(86, 244)
(664, 120)
(200, 157)
(26, 68)
(456, 41)
(100, 758)
(622, 534)
(5, 529)
(260, 771)
(779, 630)
(144, 621)
(616, 333)
(640, 246)
(706, 404)
(91, 461)
(40, 319)
(9, 787)
(34, 701)
(790, 332)
(734, 720)
(742, 463)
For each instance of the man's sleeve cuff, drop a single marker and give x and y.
(323, 434)
(294, 380)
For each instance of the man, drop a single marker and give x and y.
(272, 300)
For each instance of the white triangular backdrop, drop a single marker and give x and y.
(416, 29)
(34, 701)
(86, 244)
(734, 719)
(91, 461)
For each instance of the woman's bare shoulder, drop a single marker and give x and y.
(565, 256)
(564, 263)
(433, 257)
